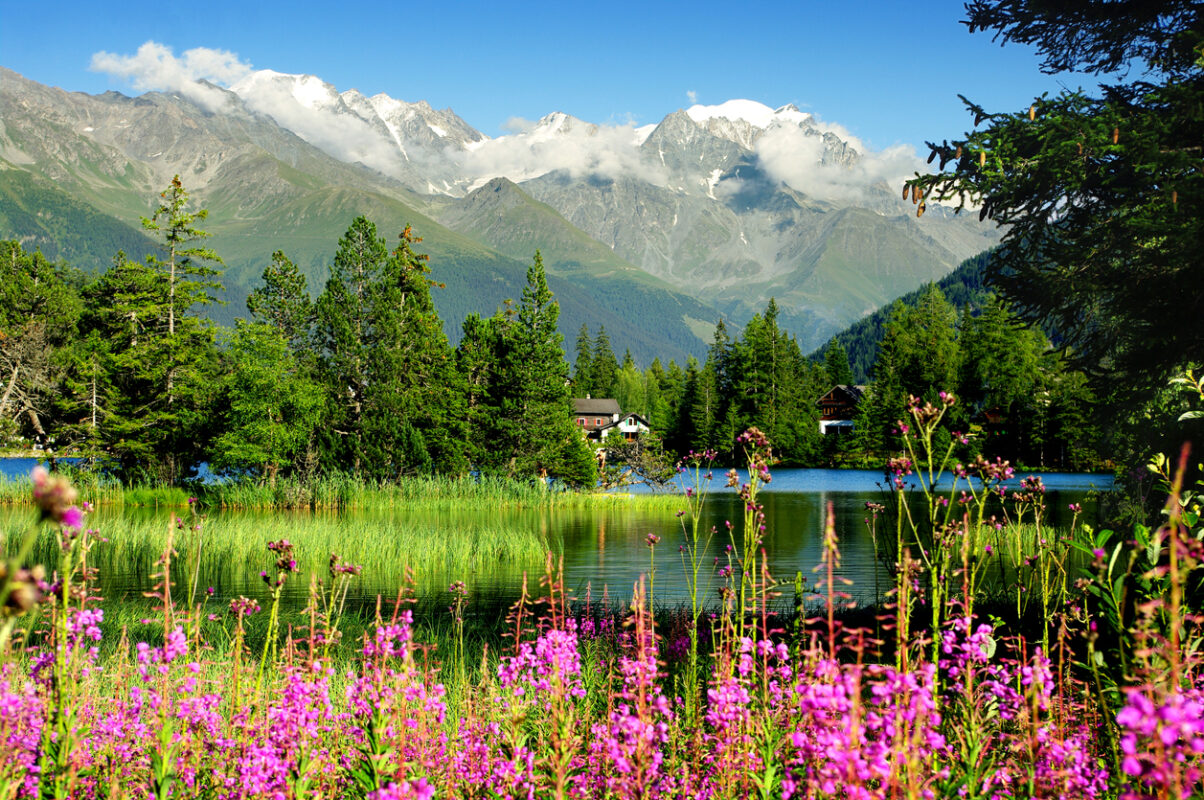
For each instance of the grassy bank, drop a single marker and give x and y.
(340, 492)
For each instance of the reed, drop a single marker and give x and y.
(341, 491)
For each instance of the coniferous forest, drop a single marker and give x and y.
(358, 376)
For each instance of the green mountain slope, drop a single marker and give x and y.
(965, 286)
(46, 218)
(84, 169)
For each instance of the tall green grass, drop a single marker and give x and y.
(228, 551)
(342, 491)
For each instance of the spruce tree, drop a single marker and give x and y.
(836, 364)
(583, 366)
(283, 301)
(604, 371)
(540, 436)
(414, 402)
(344, 328)
(160, 355)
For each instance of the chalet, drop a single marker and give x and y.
(838, 408)
(598, 417)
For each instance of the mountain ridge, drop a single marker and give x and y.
(701, 211)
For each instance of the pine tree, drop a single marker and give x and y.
(283, 301)
(478, 362)
(161, 356)
(159, 415)
(604, 370)
(836, 364)
(414, 403)
(583, 366)
(344, 333)
(539, 434)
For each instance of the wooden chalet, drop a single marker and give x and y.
(838, 408)
(597, 417)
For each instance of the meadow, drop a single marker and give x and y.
(722, 697)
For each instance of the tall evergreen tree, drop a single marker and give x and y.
(283, 301)
(836, 364)
(414, 403)
(160, 354)
(538, 434)
(583, 367)
(478, 361)
(345, 332)
(604, 370)
(159, 414)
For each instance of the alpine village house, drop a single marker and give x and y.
(838, 408)
(599, 417)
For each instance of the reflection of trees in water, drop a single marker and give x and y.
(604, 548)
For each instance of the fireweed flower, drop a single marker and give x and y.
(1162, 740)
(55, 498)
(531, 673)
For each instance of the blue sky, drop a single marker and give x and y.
(889, 72)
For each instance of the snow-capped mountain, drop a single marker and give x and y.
(731, 203)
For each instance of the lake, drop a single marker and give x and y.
(604, 549)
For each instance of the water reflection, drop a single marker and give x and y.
(604, 549)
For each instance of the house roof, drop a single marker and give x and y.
(604, 406)
(844, 392)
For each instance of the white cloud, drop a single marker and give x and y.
(156, 68)
(315, 111)
(804, 161)
(692, 96)
(557, 143)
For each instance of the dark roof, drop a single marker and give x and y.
(605, 406)
(846, 392)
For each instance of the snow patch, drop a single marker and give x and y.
(756, 114)
(440, 132)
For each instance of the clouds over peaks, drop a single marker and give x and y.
(156, 68)
(412, 141)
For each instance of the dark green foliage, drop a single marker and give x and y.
(283, 301)
(478, 364)
(583, 366)
(1099, 195)
(1000, 358)
(38, 314)
(519, 404)
(158, 394)
(537, 407)
(345, 330)
(836, 364)
(146, 364)
(386, 362)
(604, 369)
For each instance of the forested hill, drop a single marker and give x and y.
(965, 286)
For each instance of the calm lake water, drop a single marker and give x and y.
(604, 549)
